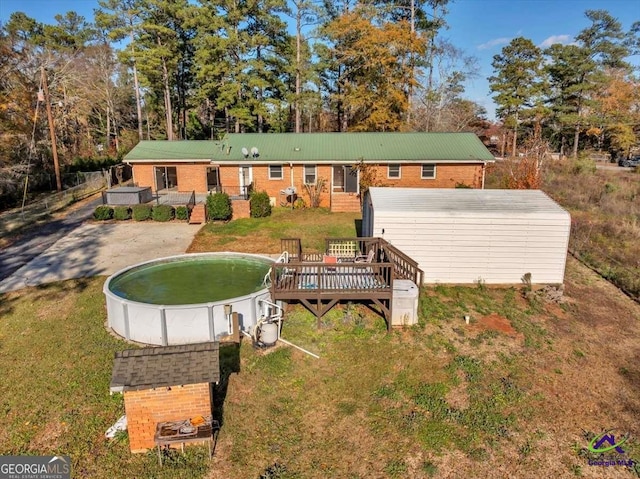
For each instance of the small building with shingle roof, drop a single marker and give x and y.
(170, 383)
(278, 162)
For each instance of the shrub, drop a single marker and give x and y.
(182, 213)
(260, 205)
(218, 206)
(103, 213)
(141, 212)
(583, 165)
(122, 213)
(162, 213)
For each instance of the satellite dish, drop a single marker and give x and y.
(245, 152)
(254, 152)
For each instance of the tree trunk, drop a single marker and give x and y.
(108, 130)
(167, 97)
(515, 137)
(136, 87)
(298, 79)
(576, 138)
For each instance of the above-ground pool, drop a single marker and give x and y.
(182, 299)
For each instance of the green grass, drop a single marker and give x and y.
(312, 226)
(373, 405)
(54, 395)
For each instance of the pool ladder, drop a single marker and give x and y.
(283, 259)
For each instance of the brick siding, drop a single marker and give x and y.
(147, 407)
(194, 177)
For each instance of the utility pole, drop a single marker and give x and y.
(52, 130)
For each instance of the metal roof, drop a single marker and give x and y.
(185, 150)
(463, 202)
(149, 368)
(321, 147)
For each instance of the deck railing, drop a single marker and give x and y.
(340, 279)
(348, 269)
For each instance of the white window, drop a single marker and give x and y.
(428, 171)
(275, 172)
(309, 174)
(393, 171)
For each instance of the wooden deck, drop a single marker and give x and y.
(351, 269)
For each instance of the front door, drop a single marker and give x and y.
(351, 180)
(338, 178)
(245, 181)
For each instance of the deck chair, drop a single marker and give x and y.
(366, 259)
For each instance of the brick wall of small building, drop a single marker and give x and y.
(147, 407)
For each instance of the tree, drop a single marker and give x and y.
(121, 19)
(517, 81)
(578, 71)
(372, 78)
(305, 14)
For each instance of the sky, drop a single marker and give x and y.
(481, 28)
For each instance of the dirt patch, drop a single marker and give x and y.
(495, 322)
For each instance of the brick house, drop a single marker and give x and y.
(170, 383)
(274, 162)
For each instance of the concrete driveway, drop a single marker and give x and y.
(92, 249)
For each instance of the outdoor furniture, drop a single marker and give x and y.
(343, 250)
(368, 258)
(184, 432)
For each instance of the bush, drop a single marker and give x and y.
(103, 213)
(162, 213)
(141, 212)
(218, 206)
(182, 213)
(583, 165)
(122, 213)
(260, 205)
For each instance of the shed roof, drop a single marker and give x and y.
(321, 147)
(149, 368)
(462, 201)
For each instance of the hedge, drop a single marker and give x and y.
(219, 206)
(141, 212)
(260, 205)
(162, 213)
(103, 213)
(122, 213)
(182, 213)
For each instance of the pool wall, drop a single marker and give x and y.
(181, 324)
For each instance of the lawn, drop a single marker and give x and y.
(251, 235)
(519, 392)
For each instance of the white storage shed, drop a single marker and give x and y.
(461, 236)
